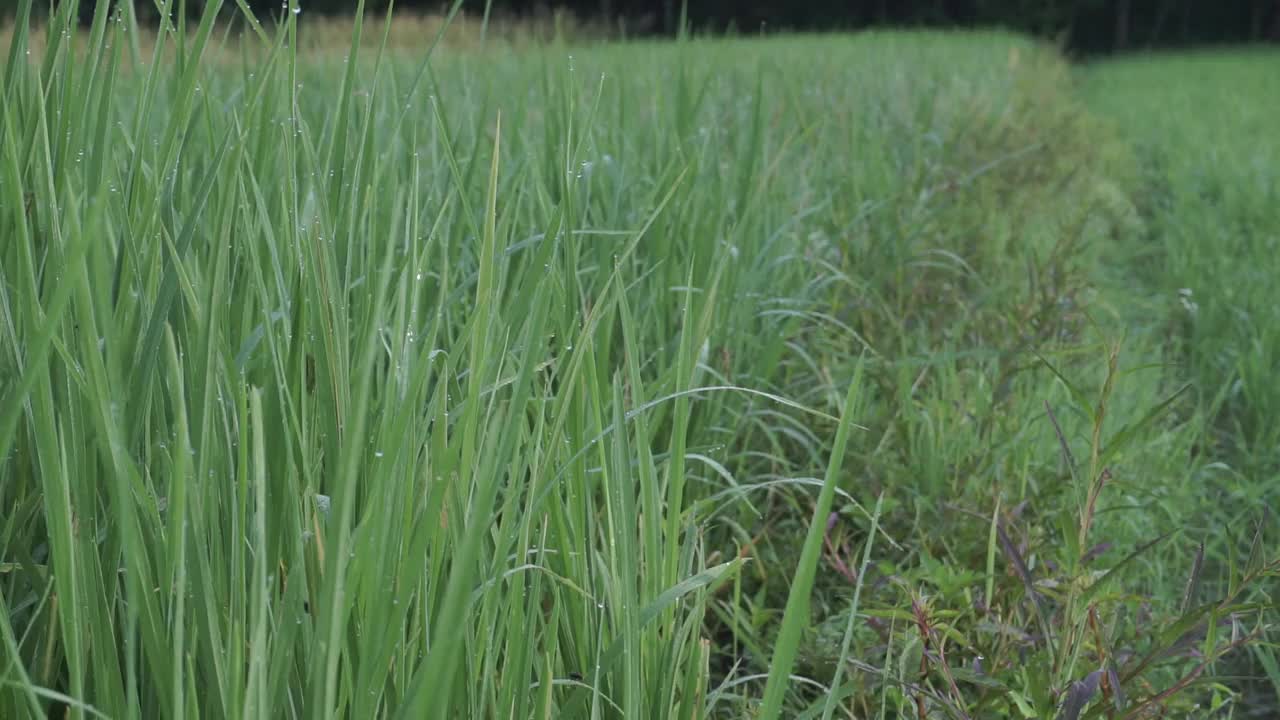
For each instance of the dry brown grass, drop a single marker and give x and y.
(321, 36)
(413, 31)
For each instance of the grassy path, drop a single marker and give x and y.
(1206, 179)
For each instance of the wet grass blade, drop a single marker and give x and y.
(796, 615)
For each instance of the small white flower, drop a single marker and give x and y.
(1184, 297)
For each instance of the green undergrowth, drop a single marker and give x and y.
(1206, 178)
(788, 377)
(1211, 189)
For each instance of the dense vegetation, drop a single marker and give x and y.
(890, 375)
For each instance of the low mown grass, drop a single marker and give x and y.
(798, 377)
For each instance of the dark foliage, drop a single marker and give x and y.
(1081, 25)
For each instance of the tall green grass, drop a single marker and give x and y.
(651, 380)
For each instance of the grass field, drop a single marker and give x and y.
(876, 376)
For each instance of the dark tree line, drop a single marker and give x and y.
(1082, 25)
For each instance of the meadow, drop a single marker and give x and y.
(897, 374)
